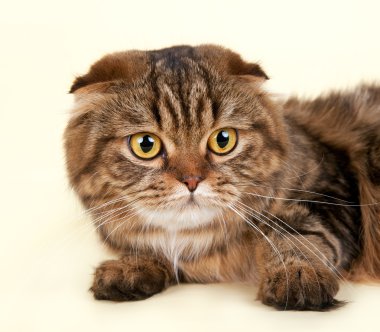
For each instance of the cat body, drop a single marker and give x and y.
(193, 174)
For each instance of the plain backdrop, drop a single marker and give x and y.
(48, 247)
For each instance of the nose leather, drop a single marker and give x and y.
(191, 181)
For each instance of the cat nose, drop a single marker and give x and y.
(191, 182)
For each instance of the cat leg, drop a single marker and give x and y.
(297, 273)
(131, 278)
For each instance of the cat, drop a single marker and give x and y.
(193, 173)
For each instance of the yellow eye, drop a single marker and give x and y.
(222, 141)
(145, 145)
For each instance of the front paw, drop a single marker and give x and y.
(300, 287)
(129, 279)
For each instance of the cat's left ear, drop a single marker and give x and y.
(227, 62)
(253, 73)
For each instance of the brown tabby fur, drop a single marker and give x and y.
(292, 208)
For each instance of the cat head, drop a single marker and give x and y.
(179, 135)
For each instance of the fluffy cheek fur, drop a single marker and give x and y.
(147, 190)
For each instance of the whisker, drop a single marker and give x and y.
(309, 171)
(116, 200)
(222, 224)
(89, 227)
(313, 245)
(233, 208)
(292, 169)
(118, 226)
(110, 213)
(113, 201)
(286, 237)
(301, 190)
(325, 260)
(310, 201)
(112, 217)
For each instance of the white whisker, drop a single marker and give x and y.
(309, 201)
(233, 208)
(301, 190)
(324, 261)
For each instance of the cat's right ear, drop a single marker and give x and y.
(125, 66)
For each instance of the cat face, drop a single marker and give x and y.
(178, 135)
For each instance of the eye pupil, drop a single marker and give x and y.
(222, 139)
(146, 143)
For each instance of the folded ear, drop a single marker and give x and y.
(117, 66)
(130, 65)
(227, 62)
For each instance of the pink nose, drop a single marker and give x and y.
(191, 182)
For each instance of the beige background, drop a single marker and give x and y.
(48, 248)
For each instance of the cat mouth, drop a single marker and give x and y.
(189, 202)
(197, 202)
(193, 200)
